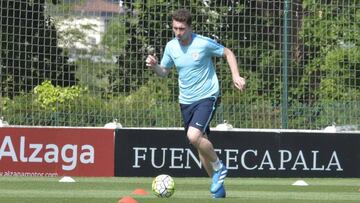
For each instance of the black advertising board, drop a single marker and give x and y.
(146, 152)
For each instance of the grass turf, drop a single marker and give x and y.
(99, 190)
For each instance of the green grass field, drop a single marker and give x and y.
(86, 190)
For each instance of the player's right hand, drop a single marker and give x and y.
(151, 61)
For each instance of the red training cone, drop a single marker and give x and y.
(140, 191)
(127, 199)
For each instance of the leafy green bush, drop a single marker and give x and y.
(48, 105)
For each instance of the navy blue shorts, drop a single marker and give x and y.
(199, 114)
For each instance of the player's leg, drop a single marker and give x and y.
(197, 117)
(187, 111)
(206, 163)
(213, 166)
(198, 127)
(205, 148)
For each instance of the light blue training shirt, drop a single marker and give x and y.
(197, 76)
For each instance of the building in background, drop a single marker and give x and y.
(83, 29)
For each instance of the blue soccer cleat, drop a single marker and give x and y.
(218, 179)
(221, 193)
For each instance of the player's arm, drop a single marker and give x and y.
(238, 81)
(152, 62)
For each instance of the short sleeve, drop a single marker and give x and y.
(214, 48)
(166, 60)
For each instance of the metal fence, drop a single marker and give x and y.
(81, 62)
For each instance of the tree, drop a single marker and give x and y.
(114, 42)
(29, 51)
(328, 90)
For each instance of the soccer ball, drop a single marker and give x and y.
(163, 186)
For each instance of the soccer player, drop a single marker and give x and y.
(192, 54)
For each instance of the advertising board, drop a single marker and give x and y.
(246, 154)
(56, 152)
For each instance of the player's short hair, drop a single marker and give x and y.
(182, 15)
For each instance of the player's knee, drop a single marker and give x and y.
(194, 139)
(194, 135)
